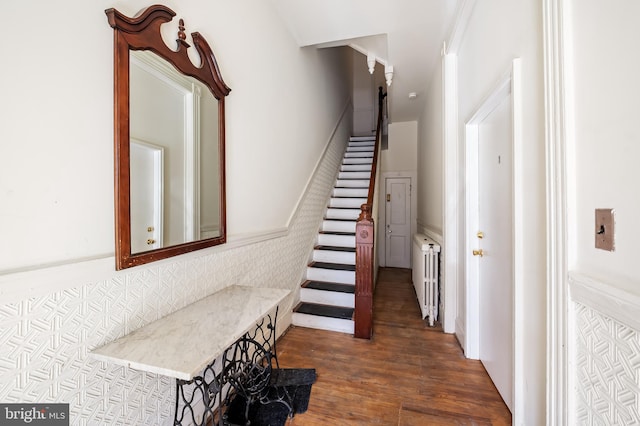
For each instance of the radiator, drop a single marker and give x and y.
(425, 276)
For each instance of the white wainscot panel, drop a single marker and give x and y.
(606, 353)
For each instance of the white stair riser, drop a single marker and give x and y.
(331, 275)
(349, 203)
(322, 323)
(347, 161)
(338, 226)
(358, 155)
(356, 168)
(332, 298)
(333, 256)
(366, 175)
(369, 145)
(362, 138)
(351, 192)
(360, 149)
(352, 183)
(351, 214)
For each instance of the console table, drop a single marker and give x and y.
(186, 344)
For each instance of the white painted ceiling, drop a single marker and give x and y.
(407, 34)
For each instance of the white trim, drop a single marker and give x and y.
(463, 16)
(192, 163)
(558, 321)
(518, 244)
(471, 343)
(509, 86)
(610, 299)
(450, 193)
(461, 332)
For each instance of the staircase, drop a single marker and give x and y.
(327, 298)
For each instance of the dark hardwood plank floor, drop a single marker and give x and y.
(408, 374)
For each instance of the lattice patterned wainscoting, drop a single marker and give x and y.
(607, 370)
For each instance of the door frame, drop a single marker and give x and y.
(382, 213)
(508, 86)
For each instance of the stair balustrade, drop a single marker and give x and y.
(365, 243)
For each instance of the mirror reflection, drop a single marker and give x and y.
(174, 156)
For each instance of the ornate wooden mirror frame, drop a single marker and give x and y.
(143, 33)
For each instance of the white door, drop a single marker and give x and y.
(495, 239)
(146, 196)
(398, 222)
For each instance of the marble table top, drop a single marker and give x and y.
(184, 342)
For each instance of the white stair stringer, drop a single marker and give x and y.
(327, 297)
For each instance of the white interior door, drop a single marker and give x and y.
(398, 222)
(146, 196)
(495, 239)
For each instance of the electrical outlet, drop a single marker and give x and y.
(605, 231)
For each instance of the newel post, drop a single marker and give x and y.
(363, 315)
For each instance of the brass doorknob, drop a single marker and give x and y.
(151, 241)
(478, 253)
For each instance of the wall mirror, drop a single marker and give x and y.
(169, 141)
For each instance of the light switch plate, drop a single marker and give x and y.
(605, 222)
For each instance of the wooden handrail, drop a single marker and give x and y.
(365, 245)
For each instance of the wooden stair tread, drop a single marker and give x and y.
(333, 266)
(324, 310)
(329, 286)
(335, 248)
(348, 234)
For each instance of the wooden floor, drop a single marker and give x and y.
(408, 374)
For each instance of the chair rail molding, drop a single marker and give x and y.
(614, 299)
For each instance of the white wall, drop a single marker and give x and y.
(60, 294)
(364, 97)
(429, 155)
(401, 155)
(491, 41)
(607, 65)
(497, 32)
(603, 169)
(56, 163)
